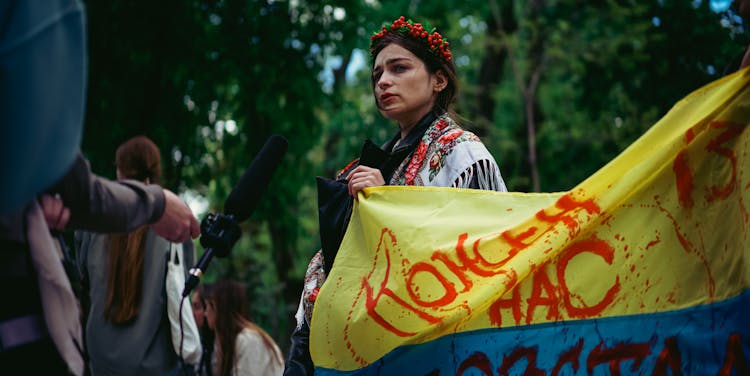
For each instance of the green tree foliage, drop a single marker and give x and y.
(559, 87)
(210, 82)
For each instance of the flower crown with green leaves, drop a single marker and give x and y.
(421, 33)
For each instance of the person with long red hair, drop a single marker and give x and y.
(127, 328)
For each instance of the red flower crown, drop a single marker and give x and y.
(432, 39)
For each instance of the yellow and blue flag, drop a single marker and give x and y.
(643, 268)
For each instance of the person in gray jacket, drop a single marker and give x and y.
(127, 328)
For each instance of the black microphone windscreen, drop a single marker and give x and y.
(247, 193)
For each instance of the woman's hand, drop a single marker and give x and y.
(55, 212)
(363, 177)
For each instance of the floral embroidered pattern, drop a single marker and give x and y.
(417, 160)
(437, 143)
(313, 295)
(415, 164)
(444, 146)
(314, 279)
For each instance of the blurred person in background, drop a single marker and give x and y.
(198, 301)
(127, 328)
(242, 348)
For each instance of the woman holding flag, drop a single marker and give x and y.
(414, 83)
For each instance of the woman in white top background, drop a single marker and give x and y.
(241, 346)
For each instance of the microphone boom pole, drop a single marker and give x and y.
(219, 232)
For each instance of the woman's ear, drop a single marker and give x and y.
(440, 81)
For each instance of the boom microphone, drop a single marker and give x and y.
(246, 194)
(219, 232)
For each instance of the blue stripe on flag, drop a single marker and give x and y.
(701, 340)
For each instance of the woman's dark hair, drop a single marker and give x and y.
(137, 158)
(231, 307)
(203, 291)
(433, 63)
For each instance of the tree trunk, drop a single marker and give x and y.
(491, 68)
(527, 80)
(531, 105)
(529, 101)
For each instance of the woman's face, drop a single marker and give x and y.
(210, 314)
(404, 90)
(198, 312)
